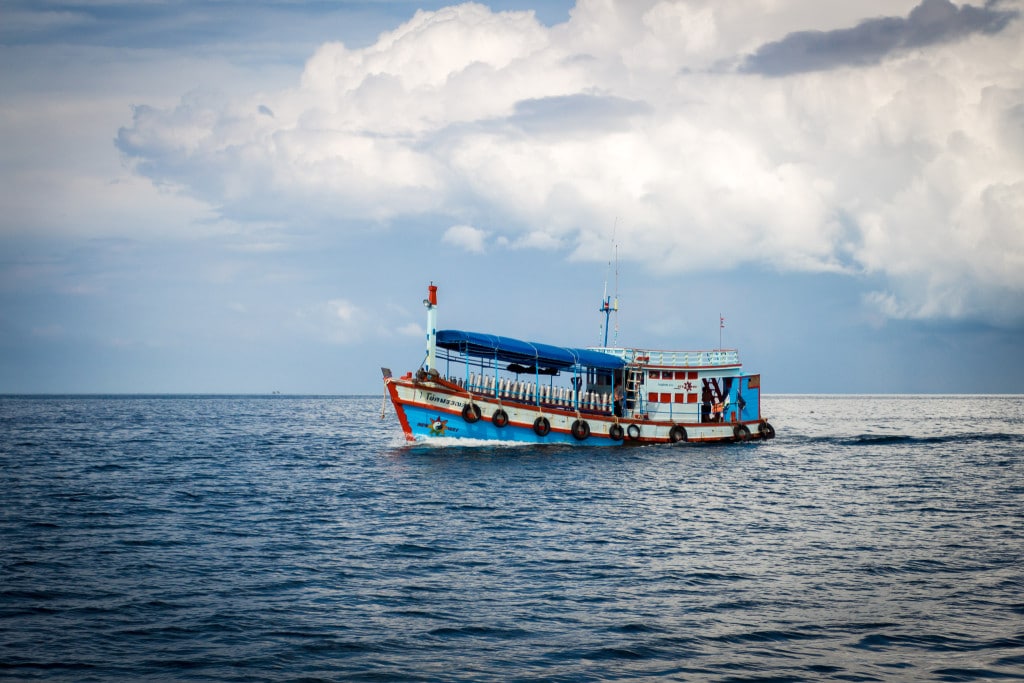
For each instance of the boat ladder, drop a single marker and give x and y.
(634, 378)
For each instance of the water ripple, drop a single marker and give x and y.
(251, 538)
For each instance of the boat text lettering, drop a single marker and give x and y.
(444, 400)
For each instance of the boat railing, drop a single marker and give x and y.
(675, 358)
(530, 392)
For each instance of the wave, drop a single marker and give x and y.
(476, 631)
(767, 636)
(911, 440)
(935, 642)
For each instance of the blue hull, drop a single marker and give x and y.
(433, 424)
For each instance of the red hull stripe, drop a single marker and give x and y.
(399, 410)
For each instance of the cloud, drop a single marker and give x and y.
(575, 115)
(343, 322)
(411, 330)
(466, 237)
(870, 41)
(908, 165)
(336, 321)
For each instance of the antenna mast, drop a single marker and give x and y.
(615, 340)
(607, 304)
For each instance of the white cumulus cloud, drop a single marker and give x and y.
(466, 237)
(720, 133)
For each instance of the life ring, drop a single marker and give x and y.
(741, 432)
(471, 412)
(500, 418)
(615, 432)
(633, 432)
(580, 429)
(542, 426)
(766, 430)
(677, 434)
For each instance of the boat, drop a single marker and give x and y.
(487, 387)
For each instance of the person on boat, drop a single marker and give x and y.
(619, 405)
(705, 405)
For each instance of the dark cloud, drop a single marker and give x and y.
(576, 112)
(933, 21)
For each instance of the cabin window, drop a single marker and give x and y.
(680, 398)
(691, 375)
(654, 374)
(652, 397)
(692, 398)
(666, 398)
(680, 375)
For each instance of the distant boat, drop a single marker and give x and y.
(480, 386)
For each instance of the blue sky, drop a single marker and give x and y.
(237, 197)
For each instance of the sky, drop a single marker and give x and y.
(249, 196)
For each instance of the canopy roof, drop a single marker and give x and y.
(515, 351)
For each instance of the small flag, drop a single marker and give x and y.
(721, 322)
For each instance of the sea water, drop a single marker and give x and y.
(300, 538)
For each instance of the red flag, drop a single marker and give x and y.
(721, 322)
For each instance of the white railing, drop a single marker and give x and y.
(526, 392)
(684, 359)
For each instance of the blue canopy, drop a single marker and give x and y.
(511, 350)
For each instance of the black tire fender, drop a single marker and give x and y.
(542, 426)
(741, 432)
(471, 412)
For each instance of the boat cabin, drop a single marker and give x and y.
(672, 386)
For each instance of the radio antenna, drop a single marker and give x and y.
(607, 305)
(615, 341)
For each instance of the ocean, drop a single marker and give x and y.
(239, 538)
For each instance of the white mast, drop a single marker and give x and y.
(431, 303)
